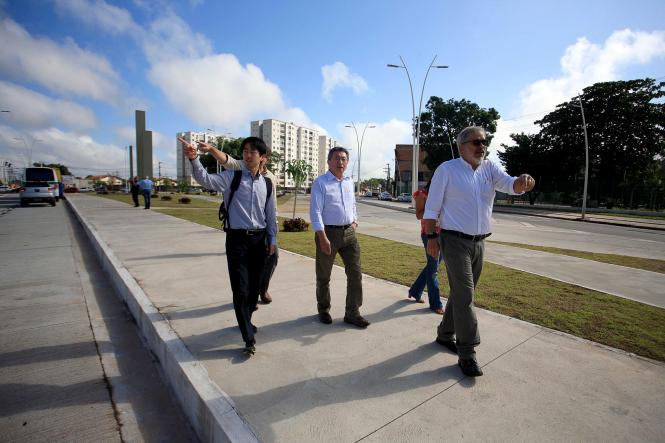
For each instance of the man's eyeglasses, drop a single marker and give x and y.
(477, 142)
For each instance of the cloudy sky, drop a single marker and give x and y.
(72, 72)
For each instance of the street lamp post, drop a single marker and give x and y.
(416, 118)
(359, 144)
(586, 155)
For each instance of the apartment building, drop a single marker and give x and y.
(293, 142)
(325, 144)
(184, 169)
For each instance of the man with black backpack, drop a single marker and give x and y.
(231, 163)
(250, 226)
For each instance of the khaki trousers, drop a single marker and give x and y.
(344, 242)
(464, 263)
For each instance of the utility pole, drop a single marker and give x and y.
(586, 150)
(159, 168)
(387, 169)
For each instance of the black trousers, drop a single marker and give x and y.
(135, 198)
(246, 256)
(268, 271)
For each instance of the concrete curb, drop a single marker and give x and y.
(210, 410)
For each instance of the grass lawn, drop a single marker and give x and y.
(596, 316)
(648, 264)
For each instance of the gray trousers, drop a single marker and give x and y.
(344, 242)
(464, 263)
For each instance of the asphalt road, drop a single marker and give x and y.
(541, 231)
(72, 365)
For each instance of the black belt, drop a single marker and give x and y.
(338, 226)
(249, 232)
(466, 236)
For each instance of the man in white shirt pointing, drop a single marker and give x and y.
(464, 188)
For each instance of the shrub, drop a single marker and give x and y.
(295, 225)
(166, 198)
(185, 200)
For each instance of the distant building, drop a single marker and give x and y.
(325, 144)
(403, 167)
(293, 142)
(184, 169)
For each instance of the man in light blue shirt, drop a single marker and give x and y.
(145, 186)
(334, 219)
(252, 228)
(464, 188)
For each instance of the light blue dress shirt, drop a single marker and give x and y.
(249, 209)
(145, 184)
(333, 202)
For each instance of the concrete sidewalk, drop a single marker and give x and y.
(391, 382)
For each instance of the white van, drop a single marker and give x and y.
(47, 175)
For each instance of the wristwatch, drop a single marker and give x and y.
(432, 235)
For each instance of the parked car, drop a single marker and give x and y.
(4, 188)
(385, 196)
(37, 192)
(71, 190)
(404, 197)
(85, 189)
(368, 194)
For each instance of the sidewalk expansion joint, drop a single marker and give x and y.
(446, 389)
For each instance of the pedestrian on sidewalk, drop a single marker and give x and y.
(146, 190)
(135, 189)
(334, 219)
(465, 187)
(429, 275)
(251, 228)
(232, 164)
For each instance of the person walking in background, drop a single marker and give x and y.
(145, 186)
(334, 219)
(429, 275)
(250, 226)
(135, 189)
(465, 188)
(231, 163)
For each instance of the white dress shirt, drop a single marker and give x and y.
(462, 198)
(333, 202)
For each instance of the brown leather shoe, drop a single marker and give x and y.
(325, 318)
(356, 321)
(266, 298)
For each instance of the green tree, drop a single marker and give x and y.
(626, 133)
(443, 120)
(298, 170)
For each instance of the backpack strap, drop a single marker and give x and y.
(223, 213)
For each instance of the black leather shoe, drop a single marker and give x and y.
(356, 321)
(325, 318)
(249, 350)
(469, 366)
(449, 344)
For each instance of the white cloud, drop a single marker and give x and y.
(218, 90)
(62, 68)
(170, 37)
(378, 146)
(80, 153)
(338, 75)
(583, 64)
(33, 110)
(98, 13)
